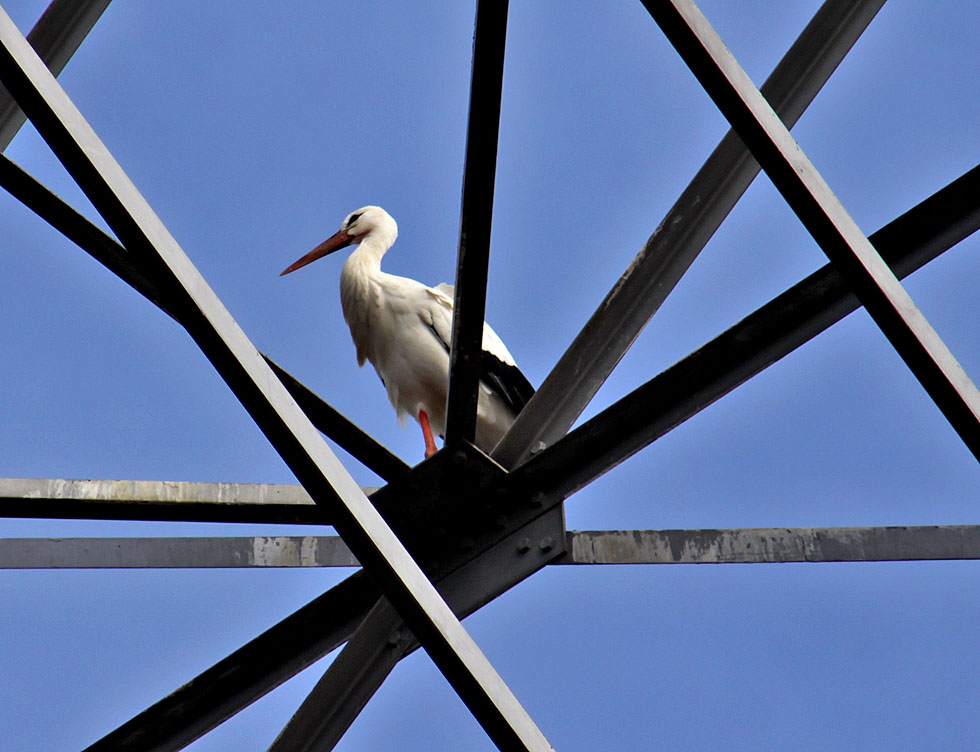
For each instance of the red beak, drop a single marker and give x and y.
(331, 244)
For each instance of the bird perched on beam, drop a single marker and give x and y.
(404, 328)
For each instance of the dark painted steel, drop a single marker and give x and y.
(56, 36)
(822, 214)
(111, 254)
(755, 343)
(56, 498)
(382, 639)
(341, 429)
(265, 398)
(774, 545)
(674, 245)
(309, 634)
(247, 674)
(476, 219)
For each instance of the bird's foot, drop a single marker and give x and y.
(430, 442)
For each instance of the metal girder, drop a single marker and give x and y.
(175, 553)
(822, 214)
(56, 36)
(737, 546)
(249, 673)
(759, 340)
(182, 501)
(476, 217)
(382, 640)
(304, 637)
(123, 264)
(773, 544)
(684, 231)
(264, 396)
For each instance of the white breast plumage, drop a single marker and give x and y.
(404, 328)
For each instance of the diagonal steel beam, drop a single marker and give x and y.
(774, 545)
(822, 214)
(249, 673)
(310, 633)
(688, 226)
(381, 641)
(58, 33)
(787, 322)
(123, 264)
(473, 257)
(759, 340)
(264, 396)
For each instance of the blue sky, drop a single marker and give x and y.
(252, 129)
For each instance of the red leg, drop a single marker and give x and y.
(430, 442)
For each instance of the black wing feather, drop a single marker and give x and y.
(506, 381)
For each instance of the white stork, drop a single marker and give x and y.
(404, 329)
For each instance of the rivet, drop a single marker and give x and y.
(537, 446)
(524, 545)
(459, 457)
(537, 499)
(547, 543)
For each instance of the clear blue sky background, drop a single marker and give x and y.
(253, 128)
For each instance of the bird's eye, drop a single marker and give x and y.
(353, 219)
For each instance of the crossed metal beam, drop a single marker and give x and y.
(518, 525)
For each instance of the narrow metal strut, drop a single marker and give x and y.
(56, 36)
(682, 234)
(479, 171)
(823, 215)
(759, 340)
(262, 394)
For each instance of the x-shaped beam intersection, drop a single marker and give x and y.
(518, 493)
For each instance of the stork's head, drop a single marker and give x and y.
(368, 222)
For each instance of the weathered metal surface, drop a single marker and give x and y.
(382, 639)
(56, 36)
(771, 545)
(749, 347)
(313, 631)
(684, 231)
(476, 215)
(822, 214)
(175, 553)
(159, 500)
(262, 394)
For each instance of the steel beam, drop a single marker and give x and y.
(51, 498)
(737, 546)
(382, 639)
(749, 347)
(123, 264)
(175, 553)
(309, 634)
(774, 544)
(822, 214)
(288, 429)
(249, 673)
(476, 218)
(674, 245)
(58, 33)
